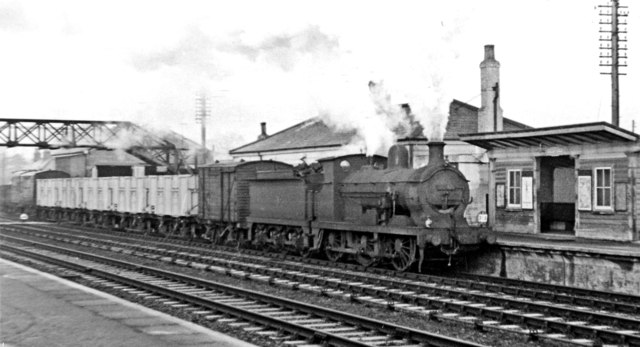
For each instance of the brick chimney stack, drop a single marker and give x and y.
(490, 113)
(263, 131)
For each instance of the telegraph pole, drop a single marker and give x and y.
(613, 49)
(203, 111)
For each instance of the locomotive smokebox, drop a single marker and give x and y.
(436, 153)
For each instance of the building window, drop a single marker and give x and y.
(602, 188)
(514, 182)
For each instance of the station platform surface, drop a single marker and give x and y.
(39, 309)
(569, 243)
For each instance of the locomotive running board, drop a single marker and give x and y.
(368, 228)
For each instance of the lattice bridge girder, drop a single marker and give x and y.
(53, 134)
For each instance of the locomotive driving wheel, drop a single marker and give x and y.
(404, 253)
(334, 240)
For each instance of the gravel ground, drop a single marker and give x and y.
(452, 329)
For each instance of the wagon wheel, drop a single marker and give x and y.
(366, 256)
(404, 253)
(276, 238)
(334, 240)
(216, 234)
(231, 237)
(297, 237)
(305, 252)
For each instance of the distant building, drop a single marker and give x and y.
(83, 162)
(311, 139)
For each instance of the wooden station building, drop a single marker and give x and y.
(579, 180)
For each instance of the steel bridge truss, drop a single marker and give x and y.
(169, 150)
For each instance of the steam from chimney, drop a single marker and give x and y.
(397, 117)
(429, 120)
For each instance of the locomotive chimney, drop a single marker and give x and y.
(263, 131)
(490, 113)
(436, 153)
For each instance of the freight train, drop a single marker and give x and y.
(370, 209)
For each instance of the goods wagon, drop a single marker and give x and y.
(163, 202)
(225, 197)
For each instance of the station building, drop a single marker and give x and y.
(579, 180)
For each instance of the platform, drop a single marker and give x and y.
(571, 244)
(39, 309)
(562, 260)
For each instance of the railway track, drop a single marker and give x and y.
(487, 310)
(610, 301)
(562, 294)
(256, 312)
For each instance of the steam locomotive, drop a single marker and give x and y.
(366, 208)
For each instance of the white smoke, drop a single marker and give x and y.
(315, 63)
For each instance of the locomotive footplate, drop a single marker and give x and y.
(382, 229)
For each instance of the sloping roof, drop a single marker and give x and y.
(63, 152)
(114, 158)
(40, 165)
(575, 134)
(100, 157)
(312, 133)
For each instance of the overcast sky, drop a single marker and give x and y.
(285, 61)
